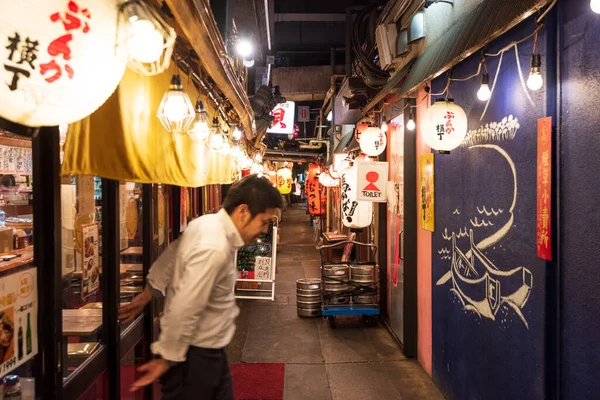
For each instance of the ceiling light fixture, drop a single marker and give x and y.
(176, 112)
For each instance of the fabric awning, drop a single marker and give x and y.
(125, 141)
(486, 22)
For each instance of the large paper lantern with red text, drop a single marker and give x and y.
(59, 62)
(444, 125)
(372, 141)
(355, 214)
(313, 196)
(284, 180)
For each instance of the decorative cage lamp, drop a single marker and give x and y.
(148, 39)
(176, 112)
(201, 129)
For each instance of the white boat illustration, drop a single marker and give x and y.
(484, 288)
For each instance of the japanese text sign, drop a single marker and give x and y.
(284, 118)
(303, 114)
(262, 268)
(372, 181)
(18, 318)
(58, 61)
(544, 189)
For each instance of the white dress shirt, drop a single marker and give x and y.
(198, 275)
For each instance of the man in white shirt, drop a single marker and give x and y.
(197, 274)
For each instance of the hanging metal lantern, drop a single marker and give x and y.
(444, 125)
(372, 141)
(146, 37)
(176, 112)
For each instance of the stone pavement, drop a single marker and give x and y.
(350, 362)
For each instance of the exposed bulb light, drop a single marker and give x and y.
(248, 62)
(147, 38)
(484, 92)
(146, 42)
(535, 80)
(595, 5)
(244, 48)
(236, 135)
(176, 112)
(200, 130)
(384, 127)
(217, 141)
(410, 125)
(258, 157)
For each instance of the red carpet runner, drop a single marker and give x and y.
(260, 381)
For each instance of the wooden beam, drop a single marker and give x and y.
(200, 28)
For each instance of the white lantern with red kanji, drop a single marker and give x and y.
(444, 125)
(355, 214)
(59, 62)
(372, 141)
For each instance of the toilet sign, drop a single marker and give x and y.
(372, 181)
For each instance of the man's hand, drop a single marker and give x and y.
(129, 311)
(152, 371)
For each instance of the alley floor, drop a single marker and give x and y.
(350, 362)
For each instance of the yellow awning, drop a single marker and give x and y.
(124, 140)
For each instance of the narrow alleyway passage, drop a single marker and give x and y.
(350, 362)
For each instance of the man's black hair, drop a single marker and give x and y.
(256, 192)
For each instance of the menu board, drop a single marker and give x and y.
(90, 277)
(18, 319)
(251, 259)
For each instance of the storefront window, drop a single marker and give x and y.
(131, 244)
(81, 220)
(18, 275)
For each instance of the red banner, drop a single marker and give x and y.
(544, 189)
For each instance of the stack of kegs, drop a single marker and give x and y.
(363, 282)
(308, 297)
(336, 283)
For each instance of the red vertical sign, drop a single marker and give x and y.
(544, 189)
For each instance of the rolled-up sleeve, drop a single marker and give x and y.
(200, 269)
(161, 272)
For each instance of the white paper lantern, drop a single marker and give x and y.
(58, 58)
(355, 214)
(444, 125)
(372, 141)
(326, 180)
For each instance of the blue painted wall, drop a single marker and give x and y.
(480, 350)
(581, 211)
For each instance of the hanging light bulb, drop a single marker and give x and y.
(244, 47)
(217, 141)
(535, 80)
(384, 127)
(410, 125)
(248, 62)
(595, 5)
(148, 39)
(200, 130)
(176, 112)
(484, 92)
(236, 134)
(258, 157)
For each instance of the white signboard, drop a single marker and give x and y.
(303, 113)
(262, 268)
(372, 181)
(18, 319)
(284, 118)
(355, 214)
